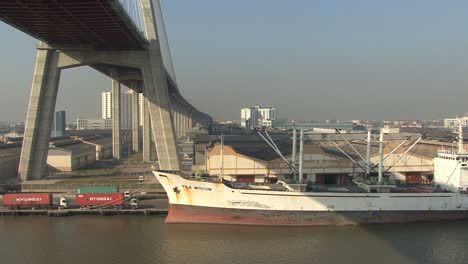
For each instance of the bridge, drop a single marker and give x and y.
(123, 39)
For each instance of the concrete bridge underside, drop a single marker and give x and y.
(135, 63)
(97, 24)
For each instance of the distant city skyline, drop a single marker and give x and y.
(312, 60)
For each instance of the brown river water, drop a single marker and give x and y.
(147, 239)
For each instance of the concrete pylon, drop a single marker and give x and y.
(116, 151)
(185, 122)
(135, 125)
(190, 121)
(157, 93)
(176, 117)
(40, 115)
(146, 133)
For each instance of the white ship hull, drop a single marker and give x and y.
(194, 201)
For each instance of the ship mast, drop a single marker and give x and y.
(221, 161)
(461, 149)
(381, 154)
(273, 146)
(368, 161)
(301, 156)
(294, 148)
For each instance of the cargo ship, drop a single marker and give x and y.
(215, 200)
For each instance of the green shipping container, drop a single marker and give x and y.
(98, 189)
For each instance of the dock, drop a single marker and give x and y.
(72, 212)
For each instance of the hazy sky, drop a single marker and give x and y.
(330, 59)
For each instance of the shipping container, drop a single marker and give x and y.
(419, 190)
(98, 189)
(413, 178)
(245, 178)
(100, 199)
(27, 200)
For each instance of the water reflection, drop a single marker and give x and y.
(138, 239)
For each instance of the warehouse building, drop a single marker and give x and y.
(9, 161)
(70, 155)
(323, 163)
(103, 146)
(243, 163)
(65, 154)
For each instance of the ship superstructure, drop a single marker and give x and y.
(451, 167)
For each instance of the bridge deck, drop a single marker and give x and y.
(99, 24)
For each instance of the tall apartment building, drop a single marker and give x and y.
(140, 109)
(125, 108)
(106, 105)
(257, 116)
(60, 124)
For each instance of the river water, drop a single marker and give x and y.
(140, 239)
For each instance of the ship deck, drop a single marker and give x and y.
(312, 187)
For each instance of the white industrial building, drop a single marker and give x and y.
(257, 116)
(90, 123)
(452, 123)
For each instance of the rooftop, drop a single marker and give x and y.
(10, 150)
(75, 147)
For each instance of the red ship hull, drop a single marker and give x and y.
(212, 215)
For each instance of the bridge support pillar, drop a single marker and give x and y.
(115, 116)
(190, 121)
(175, 117)
(157, 93)
(182, 125)
(185, 122)
(40, 115)
(135, 125)
(146, 132)
(160, 115)
(181, 122)
(182, 128)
